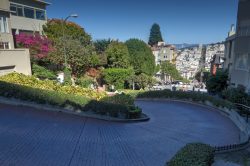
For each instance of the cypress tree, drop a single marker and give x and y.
(155, 35)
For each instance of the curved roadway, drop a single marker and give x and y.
(39, 138)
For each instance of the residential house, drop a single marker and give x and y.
(18, 16)
(239, 53)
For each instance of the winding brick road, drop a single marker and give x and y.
(39, 138)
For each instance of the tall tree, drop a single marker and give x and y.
(155, 35)
(141, 57)
(100, 48)
(71, 40)
(169, 69)
(117, 55)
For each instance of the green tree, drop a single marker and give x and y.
(169, 69)
(117, 76)
(141, 57)
(74, 42)
(117, 55)
(79, 58)
(216, 84)
(102, 45)
(143, 81)
(100, 48)
(55, 28)
(155, 35)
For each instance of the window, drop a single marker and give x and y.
(13, 9)
(4, 45)
(29, 12)
(4, 27)
(40, 14)
(20, 11)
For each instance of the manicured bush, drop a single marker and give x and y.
(195, 154)
(116, 76)
(39, 95)
(33, 82)
(43, 73)
(193, 96)
(113, 109)
(122, 99)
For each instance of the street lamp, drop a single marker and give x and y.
(63, 35)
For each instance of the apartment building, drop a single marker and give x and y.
(238, 53)
(18, 16)
(163, 52)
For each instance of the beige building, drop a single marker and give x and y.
(238, 49)
(18, 16)
(163, 52)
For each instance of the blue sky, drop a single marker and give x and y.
(181, 21)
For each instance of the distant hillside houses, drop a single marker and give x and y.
(190, 60)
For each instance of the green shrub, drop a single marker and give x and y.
(122, 99)
(193, 96)
(33, 82)
(84, 82)
(236, 95)
(195, 154)
(116, 76)
(43, 73)
(38, 95)
(216, 84)
(113, 110)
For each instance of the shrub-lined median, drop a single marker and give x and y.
(120, 106)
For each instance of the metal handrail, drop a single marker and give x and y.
(246, 108)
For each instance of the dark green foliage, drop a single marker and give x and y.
(195, 154)
(205, 77)
(216, 84)
(155, 35)
(38, 95)
(122, 99)
(193, 96)
(101, 45)
(113, 110)
(143, 81)
(43, 73)
(117, 55)
(236, 95)
(116, 76)
(84, 82)
(141, 57)
(169, 69)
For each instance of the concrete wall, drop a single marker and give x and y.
(28, 24)
(4, 5)
(17, 60)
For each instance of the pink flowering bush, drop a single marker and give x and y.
(39, 46)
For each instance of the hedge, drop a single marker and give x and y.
(113, 110)
(33, 82)
(39, 95)
(194, 154)
(193, 96)
(63, 100)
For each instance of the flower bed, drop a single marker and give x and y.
(116, 106)
(33, 82)
(195, 154)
